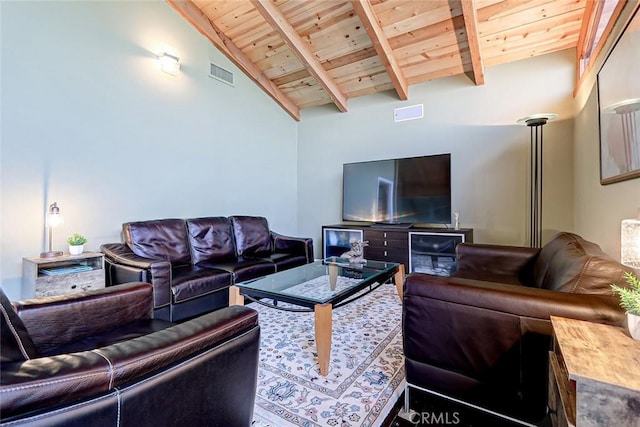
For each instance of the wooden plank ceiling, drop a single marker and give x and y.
(305, 53)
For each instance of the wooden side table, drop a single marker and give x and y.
(594, 375)
(64, 274)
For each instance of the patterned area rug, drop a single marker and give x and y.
(366, 371)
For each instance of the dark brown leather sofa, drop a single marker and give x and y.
(191, 263)
(483, 335)
(98, 358)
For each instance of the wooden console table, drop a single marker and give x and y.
(594, 375)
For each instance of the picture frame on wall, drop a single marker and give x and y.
(619, 108)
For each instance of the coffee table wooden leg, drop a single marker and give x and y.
(323, 335)
(235, 298)
(398, 278)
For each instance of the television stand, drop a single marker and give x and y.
(419, 247)
(406, 225)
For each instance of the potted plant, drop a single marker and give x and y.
(630, 301)
(76, 243)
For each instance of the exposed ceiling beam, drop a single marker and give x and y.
(470, 15)
(279, 22)
(383, 48)
(194, 15)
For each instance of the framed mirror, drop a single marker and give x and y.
(619, 108)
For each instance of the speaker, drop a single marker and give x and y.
(408, 113)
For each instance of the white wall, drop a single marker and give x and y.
(476, 124)
(90, 122)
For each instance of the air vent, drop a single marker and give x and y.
(221, 74)
(408, 113)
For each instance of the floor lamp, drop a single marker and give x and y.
(536, 122)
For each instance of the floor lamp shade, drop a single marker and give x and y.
(536, 123)
(630, 242)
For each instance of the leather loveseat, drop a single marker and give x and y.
(98, 358)
(192, 263)
(483, 335)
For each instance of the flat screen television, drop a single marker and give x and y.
(408, 190)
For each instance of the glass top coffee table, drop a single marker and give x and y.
(320, 287)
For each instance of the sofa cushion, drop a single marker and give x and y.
(164, 239)
(15, 342)
(284, 261)
(127, 332)
(568, 263)
(194, 281)
(241, 268)
(100, 310)
(546, 255)
(211, 238)
(252, 235)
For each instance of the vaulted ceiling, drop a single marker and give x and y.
(305, 53)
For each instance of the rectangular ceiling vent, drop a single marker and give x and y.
(221, 74)
(408, 113)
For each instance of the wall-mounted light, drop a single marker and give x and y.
(54, 219)
(170, 64)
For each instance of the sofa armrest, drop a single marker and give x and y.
(38, 383)
(45, 381)
(296, 245)
(57, 320)
(121, 254)
(155, 271)
(166, 347)
(515, 300)
(495, 259)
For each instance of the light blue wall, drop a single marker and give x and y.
(90, 122)
(476, 124)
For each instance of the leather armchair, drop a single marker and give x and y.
(483, 335)
(99, 358)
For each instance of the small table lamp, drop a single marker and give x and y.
(630, 242)
(54, 219)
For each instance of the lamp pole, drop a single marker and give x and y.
(536, 123)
